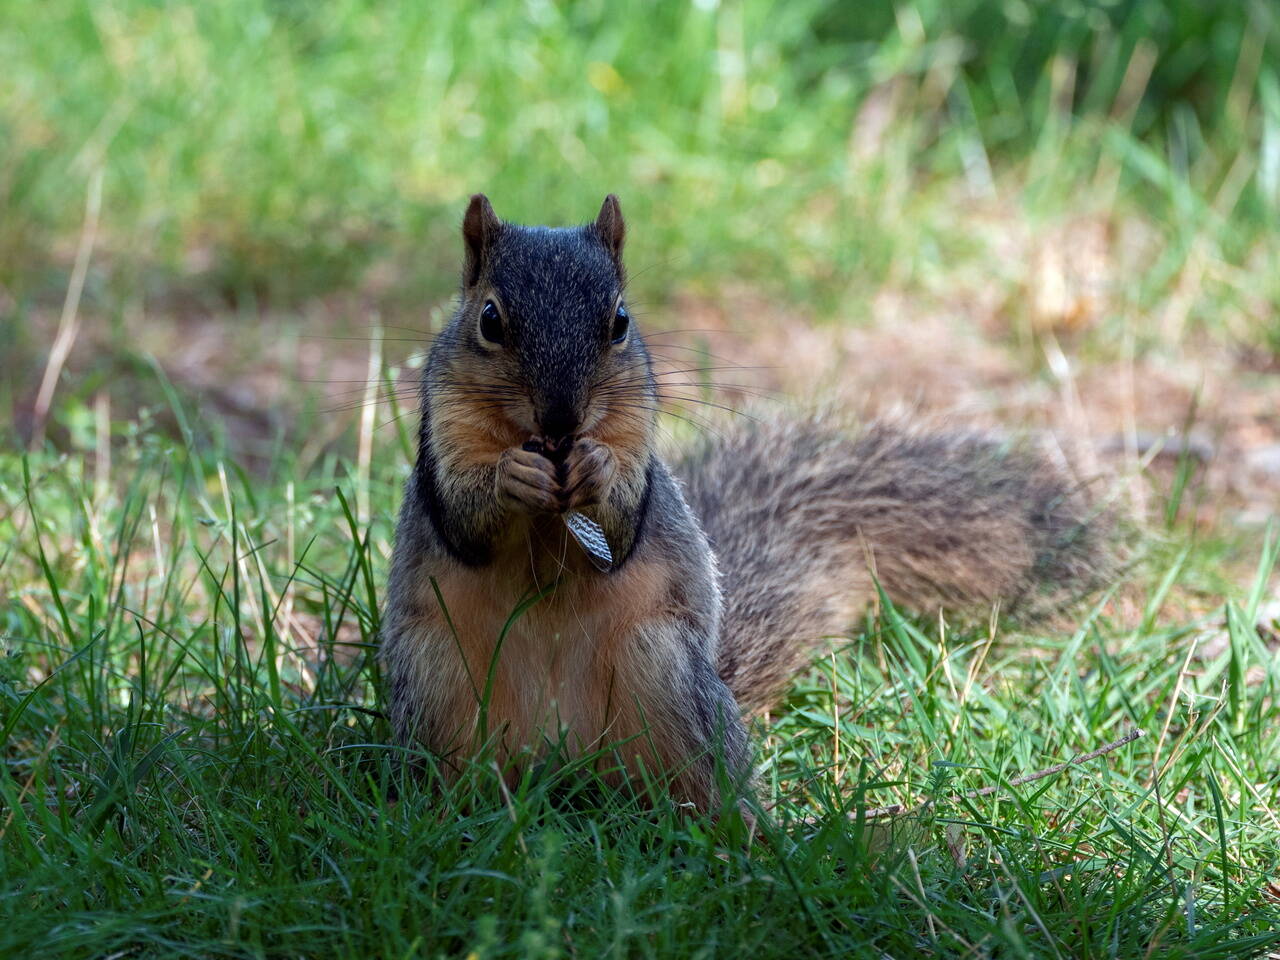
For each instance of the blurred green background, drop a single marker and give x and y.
(266, 151)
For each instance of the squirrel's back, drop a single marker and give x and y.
(806, 515)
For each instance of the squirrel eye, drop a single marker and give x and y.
(621, 326)
(491, 323)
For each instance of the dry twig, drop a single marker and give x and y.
(898, 809)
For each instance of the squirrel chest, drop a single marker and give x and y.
(527, 671)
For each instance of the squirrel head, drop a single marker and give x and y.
(542, 335)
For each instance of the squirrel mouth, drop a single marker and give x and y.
(556, 449)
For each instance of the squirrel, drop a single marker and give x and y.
(503, 629)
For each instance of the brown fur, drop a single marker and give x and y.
(570, 664)
(470, 431)
(630, 437)
(661, 655)
(807, 515)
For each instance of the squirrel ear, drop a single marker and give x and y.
(480, 227)
(611, 229)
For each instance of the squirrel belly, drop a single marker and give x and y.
(536, 650)
(539, 402)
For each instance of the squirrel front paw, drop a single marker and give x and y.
(589, 472)
(526, 481)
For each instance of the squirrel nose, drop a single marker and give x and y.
(559, 422)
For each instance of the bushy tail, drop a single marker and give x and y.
(802, 514)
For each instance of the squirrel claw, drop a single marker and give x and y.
(589, 473)
(526, 481)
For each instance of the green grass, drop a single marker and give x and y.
(195, 758)
(193, 768)
(262, 151)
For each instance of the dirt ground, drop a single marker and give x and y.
(1047, 348)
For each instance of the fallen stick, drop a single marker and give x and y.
(896, 809)
(69, 321)
(1132, 735)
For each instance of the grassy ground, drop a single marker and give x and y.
(1010, 213)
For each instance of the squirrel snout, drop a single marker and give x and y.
(559, 422)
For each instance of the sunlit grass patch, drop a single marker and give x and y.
(197, 761)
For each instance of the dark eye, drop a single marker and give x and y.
(621, 325)
(491, 323)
